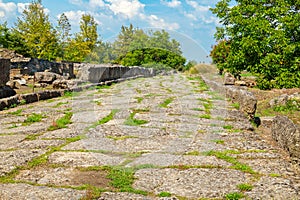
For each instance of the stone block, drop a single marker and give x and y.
(287, 135)
(4, 71)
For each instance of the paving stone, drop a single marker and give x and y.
(24, 191)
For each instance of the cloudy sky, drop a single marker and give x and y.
(188, 21)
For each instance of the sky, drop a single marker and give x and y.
(188, 21)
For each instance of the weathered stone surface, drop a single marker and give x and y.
(6, 91)
(285, 99)
(25, 191)
(287, 134)
(4, 71)
(229, 79)
(246, 99)
(176, 151)
(63, 84)
(47, 77)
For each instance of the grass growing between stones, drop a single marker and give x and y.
(139, 99)
(122, 179)
(223, 155)
(32, 118)
(166, 103)
(244, 187)
(61, 122)
(131, 121)
(234, 196)
(164, 194)
(60, 104)
(105, 119)
(16, 113)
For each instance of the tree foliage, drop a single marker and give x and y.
(153, 55)
(264, 39)
(37, 33)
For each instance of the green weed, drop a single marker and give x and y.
(165, 194)
(34, 117)
(234, 196)
(61, 122)
(244, 187)
(105, 119)
(16, 113)
(205, 116)
(131, 121)
(166, 103)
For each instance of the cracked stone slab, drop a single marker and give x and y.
(10, 141)
(9, 160)
(191, 183)
(24, 191)
(84, 159)
(274, 188)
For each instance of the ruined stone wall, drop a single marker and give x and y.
(38, 65)
(106, 72)
(287, 135)
(4, 71)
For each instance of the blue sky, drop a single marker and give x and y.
(188, 21)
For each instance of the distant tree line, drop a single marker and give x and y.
(262, 37)
(33, 35)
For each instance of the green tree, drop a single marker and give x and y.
(219, 54)
(122, 43)
(264, 39)
(37, 33)
(144, 56)
(161, 39)
(79, 48)
(63, 31)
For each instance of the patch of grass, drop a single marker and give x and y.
(218, 141)
(234, 196)
(91, 192)
(14, 125)
(60, 104)
(274, 175)
(236, 105)
(164, 194)
(33, 136)
(131, 121)
(32, 118)
(193, 153)
(105, 119)
(166, 103)
(139, 99)
(61, 122)
(120, 137)
(198, 109)
(139, 91)
(236, 164)
(22, 102)
(141, 110)
(74, 139)
(228, 127)
(122, 179)
(70, 94)
(205, 116)
(244, 187)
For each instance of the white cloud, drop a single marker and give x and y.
(172, 4)
(74, 16)
(157, 22)
(76, 2)
(126, 8)
(96, 3)
(7, 10)
(197, 6)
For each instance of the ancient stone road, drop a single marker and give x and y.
(177, 139)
